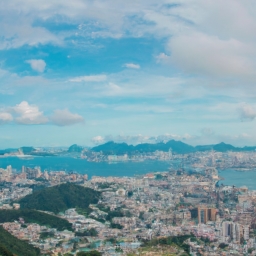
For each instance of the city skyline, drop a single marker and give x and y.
(88, 72)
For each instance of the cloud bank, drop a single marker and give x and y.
(29, 114)
(65, 117)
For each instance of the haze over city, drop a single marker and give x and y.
(87, 72)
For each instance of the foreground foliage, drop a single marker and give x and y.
(12, 245)
(172, 241)
(91, 253)
(4, 251)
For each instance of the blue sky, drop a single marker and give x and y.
(87, 72)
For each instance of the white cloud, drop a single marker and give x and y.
(162, 57)
(28, 114)
(204, 37)
(19, 31)
(132, 65)
(65, 117)
(97, 140)
(37, 65)
(247, 112)
(207, 131)
(138, 139)
(210, 55)
(96, 78)
(5, 117)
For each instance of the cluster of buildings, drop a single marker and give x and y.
(30, 176)
(45, 238)
(199, 159)
(220, 219)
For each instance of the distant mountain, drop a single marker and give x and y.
(111, 147)
(223, 147)
(75, 148)
(204, 147)
(60, 198)
(27, 150)
(248, 148)
(114, 148)
(8, 150)
(177, 147)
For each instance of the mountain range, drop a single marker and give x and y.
(111, 147)
(176, 147)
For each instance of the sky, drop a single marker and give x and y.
(90, 71)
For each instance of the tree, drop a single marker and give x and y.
(91, 253)
(223, 245)
(130, 194)
(250, 250)
(141, 215)
(75, 246)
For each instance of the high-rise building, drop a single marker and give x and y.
(232, 230)
(226, 228)
(236, 232)
(206, 214)
(32, 173)
(9, 169)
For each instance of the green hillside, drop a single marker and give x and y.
(4, 251)
(9, 243)
(60, 198)
(33, 216)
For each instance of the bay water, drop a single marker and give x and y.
(129, 169)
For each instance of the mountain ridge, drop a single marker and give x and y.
(120, 148)
(177, 147)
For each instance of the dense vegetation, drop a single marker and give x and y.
(172, 240)
(60, 198)
(91, 253)
(89, 232)
(33, 216)
(115, 225)
(4, 251)
(116, 213)
(15, 246)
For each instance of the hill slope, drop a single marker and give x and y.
(10, 243)
(60, 198)
(33, 216)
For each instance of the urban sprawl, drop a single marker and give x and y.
(221, 220)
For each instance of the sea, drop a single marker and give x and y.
(129, 169)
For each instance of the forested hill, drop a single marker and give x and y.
(33, 216)
(60, 198)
